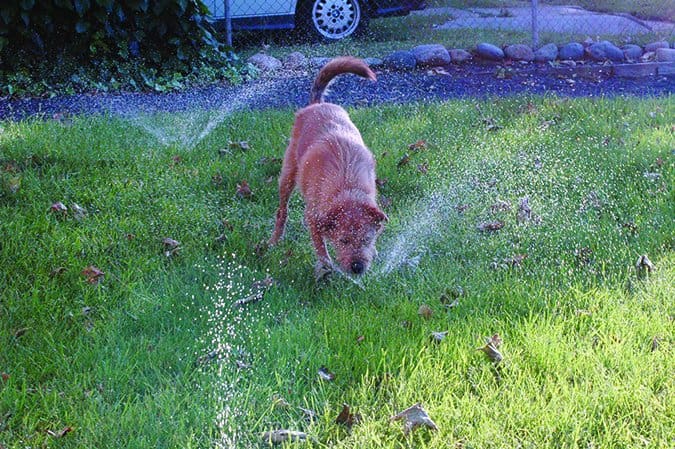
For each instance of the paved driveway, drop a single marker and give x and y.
(555, 19)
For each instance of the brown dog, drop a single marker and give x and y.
(335, 172)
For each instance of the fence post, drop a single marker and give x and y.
(535, 25)
(228, 23)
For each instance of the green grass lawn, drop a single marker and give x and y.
(155, 354)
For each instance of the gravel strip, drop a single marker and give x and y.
(470, 81)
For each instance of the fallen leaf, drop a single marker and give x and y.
(425, 311)
(130, 236)
(279, 402)
(170, 243)
(584, 255)
(241, 145)
(206, 358)
(171, 246)
(258, 290)
(244, 190)
(4, 376)
(500, 206)
(381, 182)
(21, 332)
(516, 261)
(61, 433)
(58, 271)
(437, 71)
(217, 179)
(347, 418)
(423, 168)
(13, 184)
(656, 341)
(310, 415)
(282, 435)
(524, 210)
(491, 348)
(644, 266)
(414, 417)
(405, 160)
(438, 337)
(490, 226)
(418, 146)
(325, 374)
(461, 208)
(175, 160)
(360, 339)
(93, 274)
(78, 212)
(242, 365)
(59, 208)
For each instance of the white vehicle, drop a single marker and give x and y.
(326, 19)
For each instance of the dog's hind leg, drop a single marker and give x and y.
(286, 186)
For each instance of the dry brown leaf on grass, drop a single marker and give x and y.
(61, 433)
(258, 290)
(59, 208)
(241, 145)
(491, 348)
(490, 226)
(414, 418)
(93, 274)
(500, 206)
(58, 271)
(244, 190)
(326, 374)
(283, 435)
(418, 146)
(347, 418)
(425, 311)
(79, 212)
(644, 266)
(438, 337)
(171, 246)
(405, 160)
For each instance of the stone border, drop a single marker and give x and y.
(586, 58)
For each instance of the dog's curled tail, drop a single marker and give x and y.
(335, 67)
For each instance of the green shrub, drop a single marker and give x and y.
(62, 46)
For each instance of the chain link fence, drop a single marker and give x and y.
(450, 22)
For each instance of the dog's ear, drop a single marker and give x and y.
(377, 215)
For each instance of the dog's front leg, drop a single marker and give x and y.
(324, 265)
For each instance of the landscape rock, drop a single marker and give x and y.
(489, 51)
(632, 52)
(295, 61)
(264, 62)
(665, 54)
(318, 61)
(605, 50)
(654, 45)
(431, 55)
(374, 63)
(519, 52)
(548, 52)
(572, 51)
(400, 60)
(459, 55)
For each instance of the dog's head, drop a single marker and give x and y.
(352, 229)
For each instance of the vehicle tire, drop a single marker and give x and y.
(332, 20)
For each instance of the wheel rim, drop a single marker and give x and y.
(335, 19)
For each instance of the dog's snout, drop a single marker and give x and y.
(357, 267)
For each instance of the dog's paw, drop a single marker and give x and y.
(322, 270)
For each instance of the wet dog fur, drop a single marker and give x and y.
(335, 173)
